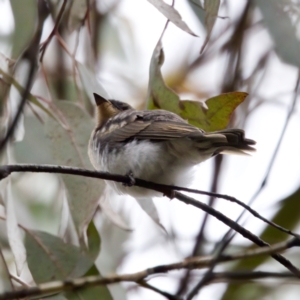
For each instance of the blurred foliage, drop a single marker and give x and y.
(94, 46)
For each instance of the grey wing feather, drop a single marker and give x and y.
(168, 130)
(152, 125)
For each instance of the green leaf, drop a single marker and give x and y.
(278, 19)
(9, 79)
(198, 10)
(56, 297)
(69, 147)
(215, 117)
(49, 258)
(89, 254)
(25, 17)
(218, 114)
(94, 241)
(249, 291)
(34, 148)
(171, 14)
(57, 260)
(211, 8)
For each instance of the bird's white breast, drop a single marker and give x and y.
(152, 161)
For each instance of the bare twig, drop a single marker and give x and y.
(30, 54)
(200, 237)
(228, 237)
(238, 228)
(21, 106)
(6, 170)
(139, 277)
(250, 275)
(146, 285)
(165, 189)
(19, 280)
(287, 120)
(54, 30)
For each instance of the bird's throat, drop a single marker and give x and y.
(105, 111)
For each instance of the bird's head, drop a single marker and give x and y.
(107, 109)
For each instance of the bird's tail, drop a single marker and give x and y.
(228, 141)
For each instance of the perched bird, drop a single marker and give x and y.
(154, 145)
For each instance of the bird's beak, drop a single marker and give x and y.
(99, 99)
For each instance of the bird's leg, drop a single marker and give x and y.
(170, 194)
(131, 180)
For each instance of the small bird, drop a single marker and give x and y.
(154, 145)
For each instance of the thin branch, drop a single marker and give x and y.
(208, 276)
(201, 234)
(164, 189)
(45, 44)
(228, 236)
(25, 94)
(214, 187)
(251, 275)
(287, 120)
(163, 293)
(139, 277)
(199, 262)
(238, 228)
(29, 54)
(19, 280)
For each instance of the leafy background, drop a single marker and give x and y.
(251, 47)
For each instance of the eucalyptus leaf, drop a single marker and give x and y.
(215, 116)
(25, 17)
(34, 148)
(69, 147)
(198, 10)
(150, 209)
(77, 13)
(94, 241)
(11, 80)
(13, 231)
(211, 8)
(49, 258)
(90, 83)
(57, 260)
(283, 31)
(171, 14)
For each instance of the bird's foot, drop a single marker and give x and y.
(170, 194)
(131, 180)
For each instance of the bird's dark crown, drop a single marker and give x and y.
(121, 106)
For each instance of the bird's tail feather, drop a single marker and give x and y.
(228, 141)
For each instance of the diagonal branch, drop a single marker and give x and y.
(29, 54)
(45, 44)
(139, 277)
(6, 170)
(165, 189)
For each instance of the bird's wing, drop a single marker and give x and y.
(151, 128)
(166, 130)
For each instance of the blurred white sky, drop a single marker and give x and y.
(241, 175)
